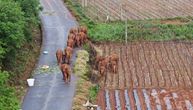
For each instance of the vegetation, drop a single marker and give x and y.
(85, 89)
(12, 25)
(18, 20)
(19, 26)
(8, 99)
(150, 30)
(93, 90)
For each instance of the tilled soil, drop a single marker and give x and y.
(139, 9)
(150, 65)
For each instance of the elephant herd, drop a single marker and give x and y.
(76, 38)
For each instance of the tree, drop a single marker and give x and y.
(12, 25)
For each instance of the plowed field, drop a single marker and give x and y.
(150, 65)
(139, 9)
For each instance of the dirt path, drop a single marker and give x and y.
(50, 92)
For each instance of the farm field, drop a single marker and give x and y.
(145, 99)
(154, 73)
(139, 9)
(150, 65)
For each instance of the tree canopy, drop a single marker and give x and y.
(12, 24)
(17, 20)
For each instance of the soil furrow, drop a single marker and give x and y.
(148, 80)
(101, 99)
(187, 56)
(143, 66)
(168, 65)
(128, 73)
(137, 64)
(174, 81)
(151, 58)
(122, 99)
(162, 66)
(157, 66)
(172, 58)
(132, 101)
(181, 65)
(121, 69)
(132, 66)
(112, 99)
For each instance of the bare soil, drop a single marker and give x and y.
(150, 65)
(173, 22)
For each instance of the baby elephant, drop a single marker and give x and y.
(59, 56)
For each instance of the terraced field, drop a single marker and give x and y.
(150, 65)
(139, 9)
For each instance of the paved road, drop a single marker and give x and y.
(50, 92)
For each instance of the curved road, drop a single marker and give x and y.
(50, 92)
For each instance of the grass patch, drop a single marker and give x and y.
(148, 30)
(85, 89)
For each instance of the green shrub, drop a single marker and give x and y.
(31, 10)
(93, 92)
(8, 100)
